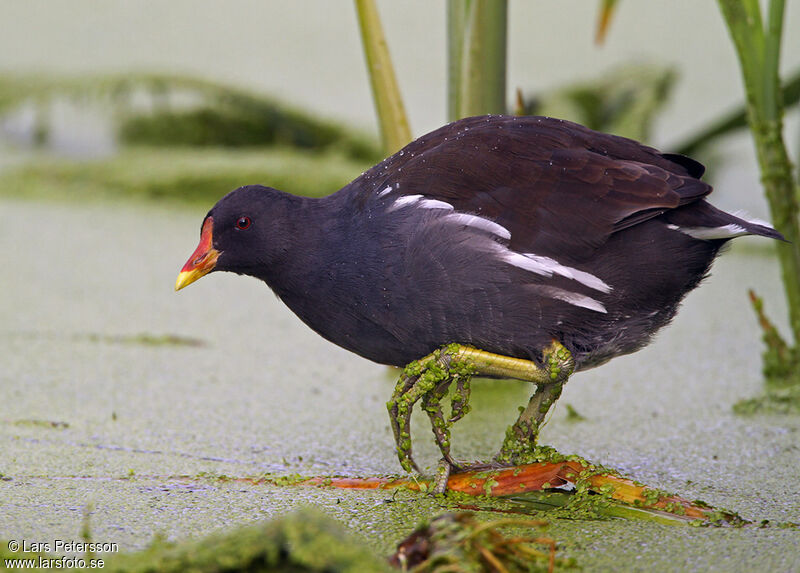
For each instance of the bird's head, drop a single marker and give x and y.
(238, 235)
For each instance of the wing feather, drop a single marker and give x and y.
(560, 189)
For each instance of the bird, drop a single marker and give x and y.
(503, 246)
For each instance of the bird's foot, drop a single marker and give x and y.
(428, 380)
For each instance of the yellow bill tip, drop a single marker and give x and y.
(185, 278)
(202, 261)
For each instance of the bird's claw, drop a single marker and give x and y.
(442, 476)
(427, 380)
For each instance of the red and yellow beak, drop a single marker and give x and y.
(203, 259)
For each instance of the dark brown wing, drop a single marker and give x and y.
(558, 187)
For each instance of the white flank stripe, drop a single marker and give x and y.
(576, 299)
(479, 223)
(404, 201)
(419, 201)
(572, 298)
(435, 204)
(548, 267)
(710, 233)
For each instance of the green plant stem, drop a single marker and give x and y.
(782, 195)
(395, 130)
(456, 24)
(772, 58)
(759, 53)
(477, 57)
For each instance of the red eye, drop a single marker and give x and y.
(243, 223)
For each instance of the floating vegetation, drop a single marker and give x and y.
(570, 484)
(459, 543)
(143, 339)
(178, 137)
(50, 424)
(305, 540)
(197, 175)
(139, 339)
(309, 541)
(235, 126)
(173, 110)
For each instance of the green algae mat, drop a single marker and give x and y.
(143, 418)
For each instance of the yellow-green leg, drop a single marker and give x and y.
(520, 440)
(429, 378)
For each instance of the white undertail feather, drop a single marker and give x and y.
(710, 233)
(729, 231)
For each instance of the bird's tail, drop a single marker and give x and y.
(702, 220)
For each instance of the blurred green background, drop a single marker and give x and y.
(307, 56)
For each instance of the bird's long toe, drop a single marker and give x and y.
(459, 405)
(400, 419)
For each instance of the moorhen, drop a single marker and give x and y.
(517, 247)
